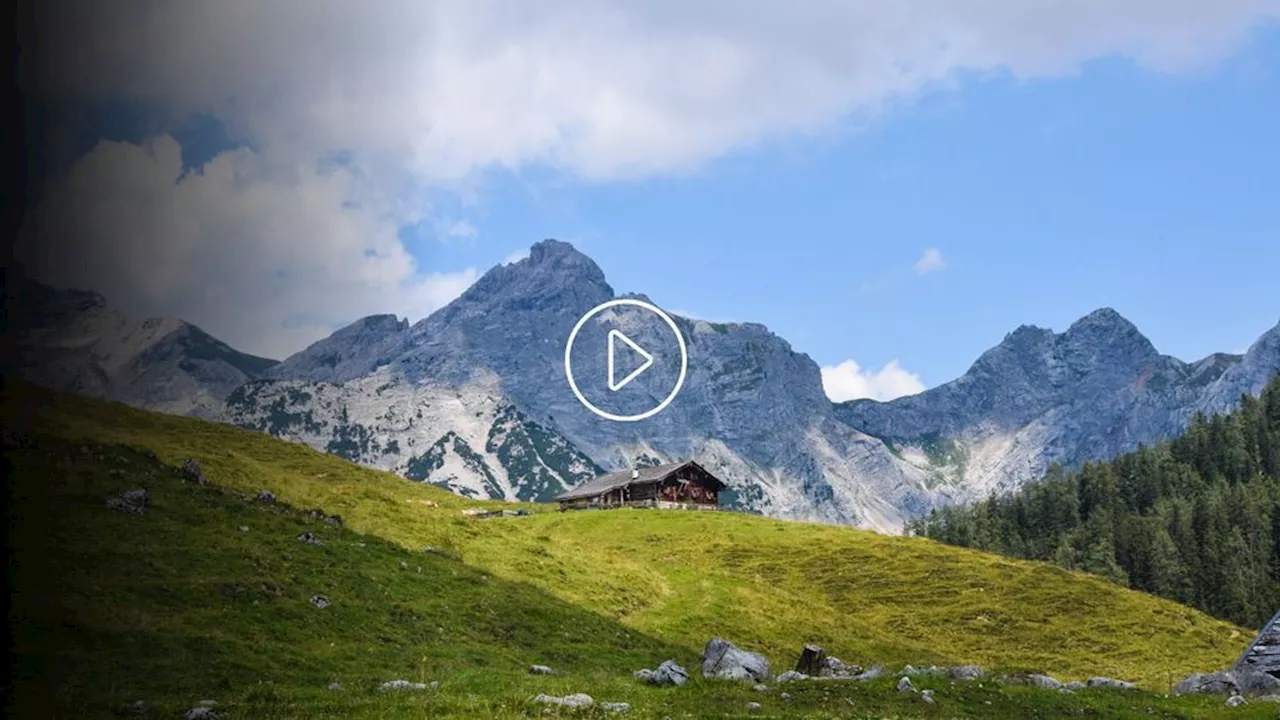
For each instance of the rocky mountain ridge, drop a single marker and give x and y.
(473, 398)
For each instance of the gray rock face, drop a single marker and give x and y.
(347, 354)
(722, 660)
(1095, 391)
(71, 340)
(473, 398)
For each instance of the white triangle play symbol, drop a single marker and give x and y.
(614, 384)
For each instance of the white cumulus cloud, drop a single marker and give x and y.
(930, 261)
(266, 263)
(848, 381)
(425, 96)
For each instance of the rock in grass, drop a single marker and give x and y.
(668, 673)
(931, 671)
(1110, 683)
(905, 686)
(834, 667)
(1236, 701)
(618, 707)
(927, 696)
(722, 660)
(540, 670)
(792, 676)
(1044, 681)
(1073, 686)
(320, 602)
(191, 472)
(753, 707)
(760, 688)
(201, 713)
(333, 686)
(309, 539)
(266, 496)
(875, 671)
(133, 502)
(1219, 682)
(967, 672)
(574, 700)
(401, 685)
(786, 697)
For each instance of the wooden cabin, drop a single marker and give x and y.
(685, 485)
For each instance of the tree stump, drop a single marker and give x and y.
(810, 660)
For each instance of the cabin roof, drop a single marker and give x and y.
(622, 478)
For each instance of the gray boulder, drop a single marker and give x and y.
(1236, 701)
(191, 472)
(875, 671)
(540, 670)
(967, 672)
(1219, 682)
(1044, 681)
(792, 676)
(320, 602)
(668, 673)
(573, 701)
(722, 660)
(1245, 681)
(309, 539)
(133, 502)
(1110, 683)
(753, 707)
(401, 685)
(618, 707)
(931, 671)
(201, 713)
(761, 687)
(1073, 686)
(834, 667)
(905, 686)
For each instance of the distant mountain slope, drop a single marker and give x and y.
(752, 409)
(1195, 519)
(133, 597)
(430, 399)
(71, 340)
(1094, 391)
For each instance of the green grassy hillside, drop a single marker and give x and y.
(180, 604)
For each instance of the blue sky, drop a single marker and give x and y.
(1156, 194)
(797, 166)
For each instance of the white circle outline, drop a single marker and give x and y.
(568, 365)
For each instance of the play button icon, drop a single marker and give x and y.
(644, 354)
(615, 384)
